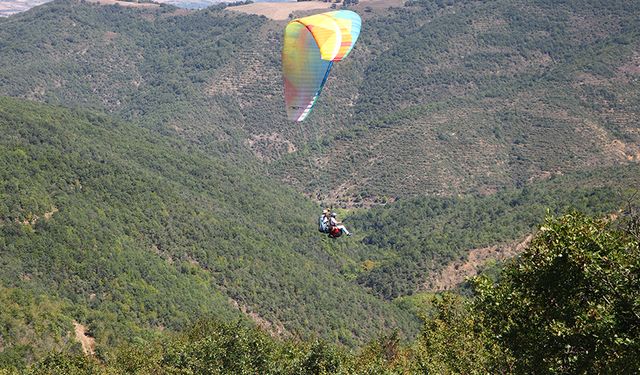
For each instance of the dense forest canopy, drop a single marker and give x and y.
(436, 97)
(584, 266)
(122, 222)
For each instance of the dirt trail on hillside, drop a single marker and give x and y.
(88, 343)
(275, 329)
(456, 273)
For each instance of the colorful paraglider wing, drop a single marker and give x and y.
(304, 71)
(311, 45)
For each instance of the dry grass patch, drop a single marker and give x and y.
(279, 11)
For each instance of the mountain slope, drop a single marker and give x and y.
(140, 233)
(421, 236)
(479, 96)
(481, 99)
(435, 99)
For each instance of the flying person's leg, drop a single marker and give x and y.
(343, 229)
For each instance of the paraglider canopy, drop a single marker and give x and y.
(311, 46)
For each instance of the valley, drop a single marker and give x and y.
(158, 211)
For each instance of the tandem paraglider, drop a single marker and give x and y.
(311, 45)
(329, 224)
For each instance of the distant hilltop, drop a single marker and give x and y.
(10, 7)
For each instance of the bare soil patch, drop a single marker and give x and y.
(48, 215)
(275, 329)
(88, 343)
(456, 273)
(281, 11)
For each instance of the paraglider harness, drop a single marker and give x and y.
(334, 232)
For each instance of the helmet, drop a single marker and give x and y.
(325, 211)
(333, 214)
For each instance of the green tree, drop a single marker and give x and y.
(453, 341)
(571, 303)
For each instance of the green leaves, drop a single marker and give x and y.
(567, 304)
(454, 341)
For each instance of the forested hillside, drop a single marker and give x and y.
(482, 95)
(131, 233)
(568, 305)
(152, 191)
(437, 97)
(137, 234)
(147, 66)
(421, 236)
